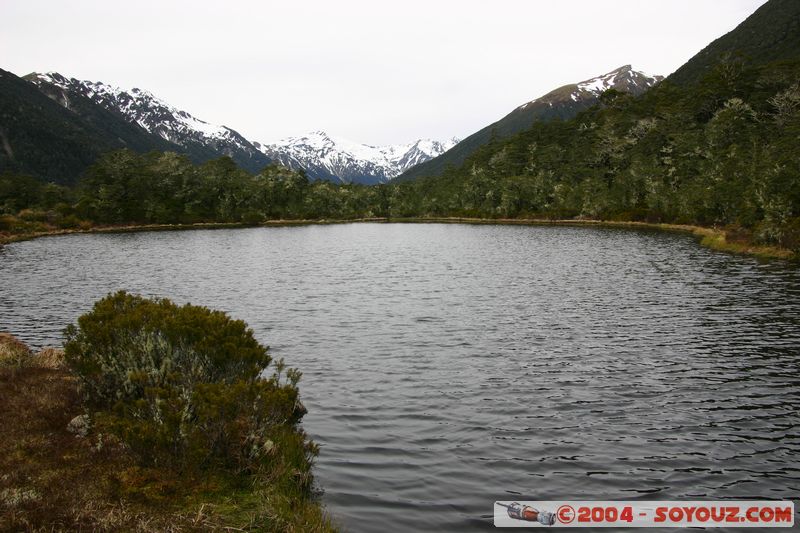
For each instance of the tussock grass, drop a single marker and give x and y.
(718, 240)
(13, 352)
(49, 357)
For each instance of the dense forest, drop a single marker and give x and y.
(719, 153)
(123, 187)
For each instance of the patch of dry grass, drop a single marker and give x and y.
(49, 357)
(13, 352)
(39, 457)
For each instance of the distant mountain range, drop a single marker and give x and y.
(321, 156)
(339, 160)
(562, 103)
(57, 137)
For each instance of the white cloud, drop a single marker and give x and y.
(372, 71)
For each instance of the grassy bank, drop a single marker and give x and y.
(53, 479)
(713, 238)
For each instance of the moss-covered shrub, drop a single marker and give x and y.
(182, 386)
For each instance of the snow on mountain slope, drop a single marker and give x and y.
(340, 160)
(321, 156)
(197, 137)
(624, 79)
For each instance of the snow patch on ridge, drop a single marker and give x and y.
(142, 107)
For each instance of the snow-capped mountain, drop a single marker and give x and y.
(340, 160)
(560, 104)
(198, 138)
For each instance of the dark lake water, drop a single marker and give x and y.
(449, 366)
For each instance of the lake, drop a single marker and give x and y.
(447, 366)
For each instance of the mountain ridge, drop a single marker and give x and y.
(335, 159)
(198, 139)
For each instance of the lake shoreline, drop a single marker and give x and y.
(713, 238)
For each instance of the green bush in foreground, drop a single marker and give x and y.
(182, 387)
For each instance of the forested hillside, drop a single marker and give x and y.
(562, 103)
(772, 33)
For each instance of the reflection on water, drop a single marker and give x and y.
(446, 366)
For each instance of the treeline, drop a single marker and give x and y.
(721, 152)
(123, 187)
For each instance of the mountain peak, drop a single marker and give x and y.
(56, 139)
(318, 133)
(623, 69)
(138, 105)
(624, 79)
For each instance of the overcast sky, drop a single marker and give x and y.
(372, 71)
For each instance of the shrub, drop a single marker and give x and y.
(127, 343)
(790, 237)
(182, 386)
(68, 222)
(252, 217)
